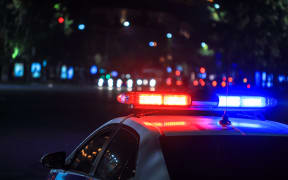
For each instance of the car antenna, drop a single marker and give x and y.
(224, 122)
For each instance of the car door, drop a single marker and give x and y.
(119, 159)
(83, 159)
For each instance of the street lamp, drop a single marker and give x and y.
(126, 23)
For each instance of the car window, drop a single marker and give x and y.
(86, 155)
(119, 160)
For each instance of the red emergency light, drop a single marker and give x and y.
(149, 99)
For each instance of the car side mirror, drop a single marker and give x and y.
(54, 160)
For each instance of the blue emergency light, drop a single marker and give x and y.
(242, 101)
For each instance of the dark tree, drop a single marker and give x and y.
(252, 34)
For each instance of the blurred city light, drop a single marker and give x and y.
(224, 78)
(223, 84)
(270, 77)
(270, 80)
(169, 81)
(248, 86)
(281, 78)
(93, 69)
(102, 71)
(169, 69)
(217, 6)
(179, 83)
(128, 76)
(257, 78)
(110, 83)
(202, 70)
(214, 83)
(36, 69)
(81, 27)
(139, 82)
(202, 75)
(129, 83)
(179, 67)
(245, 80)
(126, 23)
(57, 6)
(107, 76)
(192, 76)
(145, 82)
(204, 45)
(44, 63)
(152, 44)
(152, 83)
(202, 82)
(100, 82)
(195, 83)
(169, 35)
(264, 76)
(212, 77)
(15, 52)
(70, 73)
(63, 74)
(119, 83)
(114, 73)
(177, 73)
(230, 79)
(60, 20)
(269, 84)
(18, 70)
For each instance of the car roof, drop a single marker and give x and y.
(171, 125)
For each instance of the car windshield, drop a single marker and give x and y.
(188, 156)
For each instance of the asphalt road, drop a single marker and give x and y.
(35, 121)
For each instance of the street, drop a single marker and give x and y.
(38, 121)
(35, 122)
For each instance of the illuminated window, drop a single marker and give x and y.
(87, 153)
(18, 70)
(36, 70)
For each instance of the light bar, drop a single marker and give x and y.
(182, 101)
(242, 101)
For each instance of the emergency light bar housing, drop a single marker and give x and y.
(184, 101)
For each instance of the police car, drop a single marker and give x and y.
(159, 144)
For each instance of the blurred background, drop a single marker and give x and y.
(62, 63)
